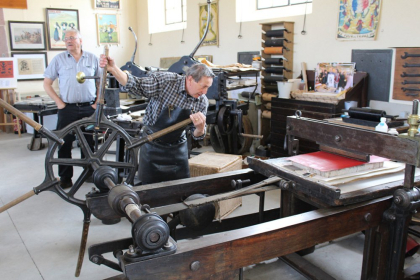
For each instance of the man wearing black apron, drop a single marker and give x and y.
(172, 98)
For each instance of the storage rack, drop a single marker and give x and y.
(283, 37)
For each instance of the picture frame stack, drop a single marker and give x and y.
(26, 37)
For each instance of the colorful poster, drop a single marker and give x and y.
(212, 37)
(107, 27)
(8, 73)
(358, 19)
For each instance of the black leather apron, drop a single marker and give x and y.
(165, 158)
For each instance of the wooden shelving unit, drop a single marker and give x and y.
(268, 85)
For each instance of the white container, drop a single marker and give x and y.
(284, 89)
(296, 83)
(393, 131)
(256, 64)
(382, 126)
(349, 104)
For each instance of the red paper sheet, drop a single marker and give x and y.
(323, 161)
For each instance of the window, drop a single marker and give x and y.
(166, 15)
(175, 11)
(267, 4)
(253, 10)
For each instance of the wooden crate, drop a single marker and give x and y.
(211, 163)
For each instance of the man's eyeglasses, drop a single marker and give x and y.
(71, 38)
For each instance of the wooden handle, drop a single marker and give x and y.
(103, 78)
(20, 115)
(17, 201)
(82, 248)
(251, 135)
(305, 78)
(169, 129)
(151, 137)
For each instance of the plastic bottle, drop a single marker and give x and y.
(382, 126)
(393, 131)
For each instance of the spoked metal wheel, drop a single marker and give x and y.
(220, 142)
(91, 160)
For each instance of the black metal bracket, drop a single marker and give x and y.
(410, 89)
(406, 54)
(410, 82)
(410, 65)
(409, 75)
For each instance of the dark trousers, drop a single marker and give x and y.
(66, 116)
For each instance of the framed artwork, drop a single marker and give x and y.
(27, 35)
(107, 28)
(212, 37)
(107, 4)
(30, 66)
(8, 73)
(58, 21)
(358, 19)
(334, 77)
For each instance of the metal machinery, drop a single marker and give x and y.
(191, 245)
(230, 128)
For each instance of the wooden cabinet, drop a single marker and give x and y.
(407, 74)
(281, 108)
(276, 66)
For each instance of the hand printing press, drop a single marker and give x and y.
(313, 211)
(191, 245)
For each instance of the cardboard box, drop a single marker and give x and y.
(211, 163)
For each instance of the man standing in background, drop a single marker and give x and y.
(76, 101)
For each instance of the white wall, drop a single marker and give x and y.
(87, 21)
(398, 27)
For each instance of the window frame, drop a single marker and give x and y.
(183, 17)
(280, 6)
(156, 17)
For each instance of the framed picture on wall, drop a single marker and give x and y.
(30, 66)
(334, 77)
(58, 21)
(107, 4)
(8, 73)
(358, 20)
(212, 37)
(107, 28)
(27, 35)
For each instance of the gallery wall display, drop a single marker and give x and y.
(58, 21)
(8, 73)
(107, 28)
(30, 66)
(358, 19)
(27, 35)
(107, 4)
(212, 37)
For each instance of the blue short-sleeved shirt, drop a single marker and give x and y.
(64, 67)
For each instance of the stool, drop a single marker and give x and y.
(9, 95)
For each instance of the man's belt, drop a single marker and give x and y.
(81, 104)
